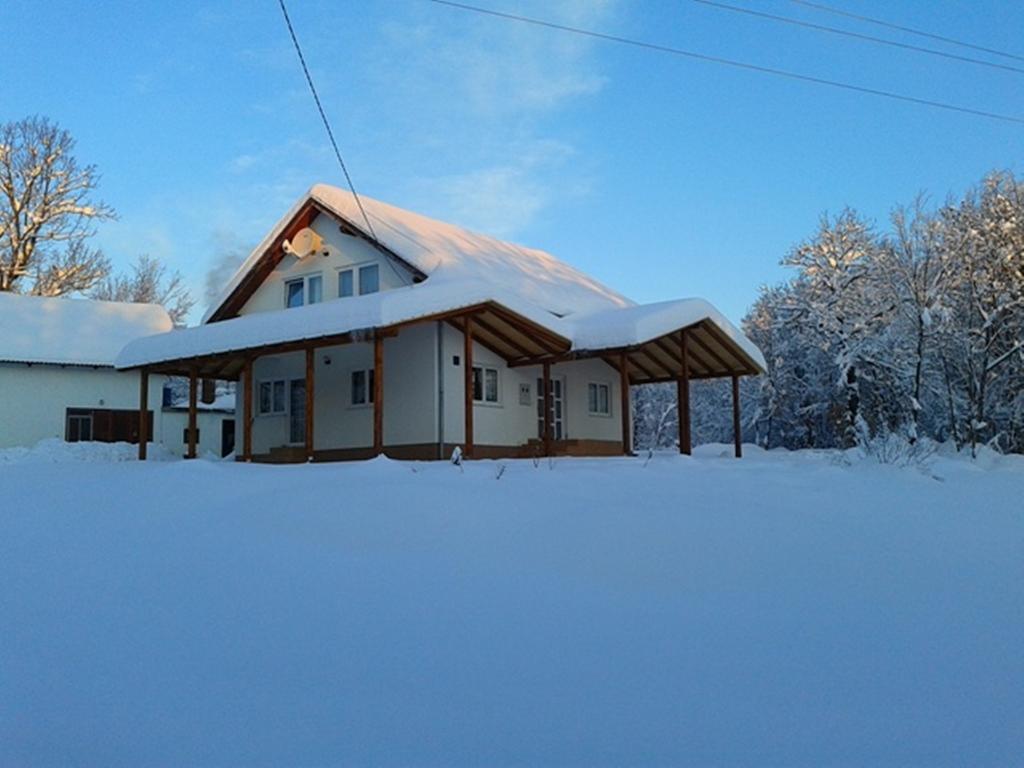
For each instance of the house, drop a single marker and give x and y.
(357, 328)
(57, 370)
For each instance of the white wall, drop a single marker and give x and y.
(210, 431)
(36, 397)
(346, 252)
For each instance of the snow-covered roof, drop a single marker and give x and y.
(448, 253)
(36, 329)
(356, 313)
(605, 329)
(640, 323)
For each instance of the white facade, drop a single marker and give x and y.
(36, 398)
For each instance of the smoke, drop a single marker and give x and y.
(229, 253)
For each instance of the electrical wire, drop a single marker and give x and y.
(323, 116)
(732, 62)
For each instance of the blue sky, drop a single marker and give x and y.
(661, 176)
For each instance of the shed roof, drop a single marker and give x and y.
(38, 329)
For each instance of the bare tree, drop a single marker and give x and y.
(46, 211)
(148, 283)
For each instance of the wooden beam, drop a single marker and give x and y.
(378, 395)
(729, 346)
(143, 412)
(247, 411)
(310, 400)
(737, 435)
(467, 383)
(547, 426)
(193, 387)
(683, 395)
(642, 368)
(627, 438)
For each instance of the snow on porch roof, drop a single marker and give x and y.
(607, 329)
(330, 318)
(37, 329)
(445, 252)
(640, 323)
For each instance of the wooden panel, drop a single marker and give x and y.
(467, 381)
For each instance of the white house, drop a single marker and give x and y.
(410, 336)
(57, 370)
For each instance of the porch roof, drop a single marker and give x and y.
(648, 337)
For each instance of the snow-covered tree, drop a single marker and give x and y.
(47, 211)
(149, 283)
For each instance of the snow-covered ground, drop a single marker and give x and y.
(783, 610)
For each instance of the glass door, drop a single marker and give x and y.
(557, 408)
(297, 411)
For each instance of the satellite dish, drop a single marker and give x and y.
(305, 243)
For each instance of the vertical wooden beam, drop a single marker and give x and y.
(310, 400)
(627, 437)
(143, 412)
(737, 436)
(548, 430)
(247, 410)
(193, 392)
(378, 395)
(467, 373)
(683, 396)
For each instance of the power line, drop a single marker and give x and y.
(731, 62)
(908, 30)
(323, 116)
(859, 36)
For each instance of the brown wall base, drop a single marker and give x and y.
(429, 452)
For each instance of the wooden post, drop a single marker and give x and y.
(627, 437)
(683, 396)
(378, 395)
(467, 373)
(547, 432)
(143, 412)
(193, 392)
(310, 400)
(247, 411)
(737, 436)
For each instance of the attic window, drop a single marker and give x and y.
(304, 290)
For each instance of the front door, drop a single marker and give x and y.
(557, 408)
(297, 411)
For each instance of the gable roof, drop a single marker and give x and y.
(448, 253)
(39, 329)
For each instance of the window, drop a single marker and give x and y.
(79, 428)
(271, 398)
(362, 387)
(599, 399)
(304, 290)
(485, 384)
(345, 285)
(369, 279)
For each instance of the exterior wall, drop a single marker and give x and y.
(210, 434)
(346, 252)
(510, 422)
(36, 397)
(410, 402)
(411, 415)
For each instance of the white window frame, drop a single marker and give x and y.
(284, 405)
(304, 278)
(357, 283)
(607, 385)
(483, 385)
(369, 376)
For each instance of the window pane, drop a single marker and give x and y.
(603, 405)
(345, 283)
(592, 398)
(369, 279)
(294, 293)
(369, 378)
(278, 397)
(358, 387)
(478, 389)
(316, 289)
(491, 381)
(264, 397)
